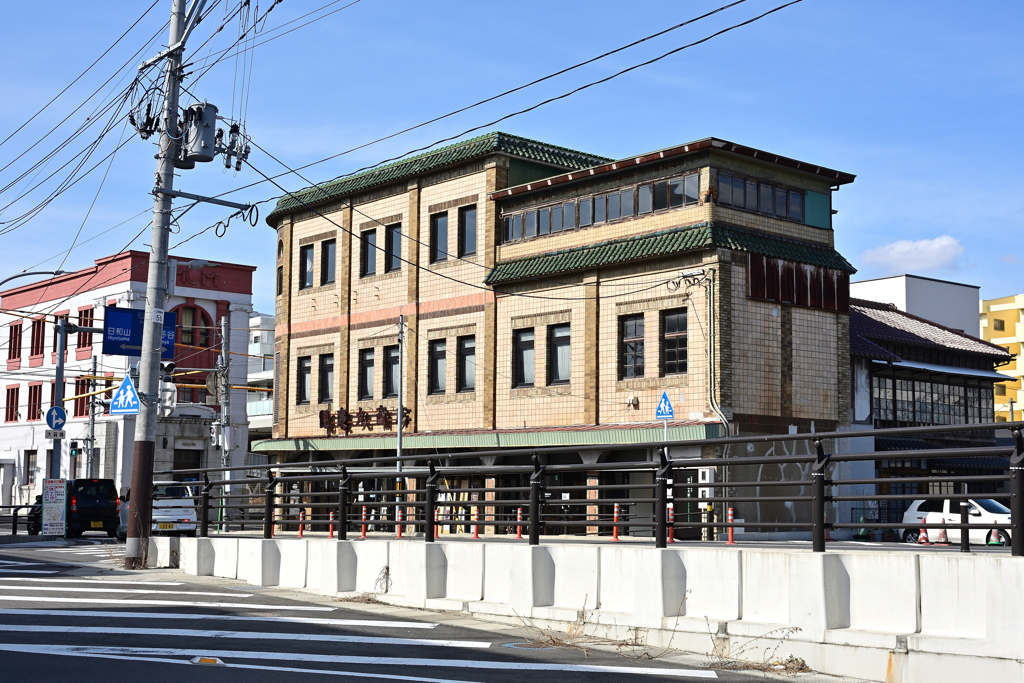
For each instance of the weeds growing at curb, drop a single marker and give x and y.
(742, 655)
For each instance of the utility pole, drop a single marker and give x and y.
(401, 381)
(140, 517)
(58, 391)
(224, 391)
(91, 439)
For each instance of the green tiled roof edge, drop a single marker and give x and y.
(423, 163)
(672, 241)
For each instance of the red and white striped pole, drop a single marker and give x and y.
(476, 525)
(398, 519)
(519, 523)
(302, 521)
(671, 524)
(330, 529)
(437, 518)
(364, 522)
(615, 523)
(730, 541)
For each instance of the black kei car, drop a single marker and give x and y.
(92, 506)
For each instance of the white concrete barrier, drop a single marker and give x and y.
(885, 616)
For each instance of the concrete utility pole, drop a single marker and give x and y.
(91, 439)
(224, 389)
(140, 518)
(58, 392)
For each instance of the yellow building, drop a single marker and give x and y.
(1002, 322)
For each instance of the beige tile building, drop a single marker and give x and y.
(552, 297)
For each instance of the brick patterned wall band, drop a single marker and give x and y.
(387, 220)
(461, 201)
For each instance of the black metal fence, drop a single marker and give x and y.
(367, 494)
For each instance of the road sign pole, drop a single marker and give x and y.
(58, 392)
(139, 519)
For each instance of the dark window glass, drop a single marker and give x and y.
(517, 226)
(306, 266)
(600, 205)
(465, 371)
(439, 237)
(392, 247)
(627, 203)
(326, 378)
(556, 219)
(631, 346)
(368, 253)
(613, 207)
(467, 230)
(675, 192)
(725, 189)
(302, 385)
(508, 229)
(586, 212)
(523, 357)
(568, 215)
(544, 222)
(764, 203)
(780, 202)
(643, 199)
(327, 254)
(691, 189)
(280, 280)
(738, 192)
(436, 367)
(673, 342)
(365, 388)
(660, 196)
(530, 224)
(796, 206)
(558, 354)
(391, 375)
(751, 196)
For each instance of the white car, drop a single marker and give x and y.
(174, 510)
(982, 513)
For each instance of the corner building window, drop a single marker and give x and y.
(437, 367)
(465, 371)
(673, 342)
(392, 248)
(368, 253)
(302, 386)
(631, 346)
(365, 388)
(326, 394)
(558, 354)
(327, 254)
(467, 230)
(522, 358)
(306, 267)
(391, 376)
(439, 237)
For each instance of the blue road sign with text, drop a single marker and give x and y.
(122, 332)
(665, 411)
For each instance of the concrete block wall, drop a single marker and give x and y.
(895, 617)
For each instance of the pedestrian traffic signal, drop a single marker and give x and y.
(73, 449)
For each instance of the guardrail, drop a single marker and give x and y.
(14, 512)
(366, 493)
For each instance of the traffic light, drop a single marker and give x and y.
(73, 449)
(166, 368)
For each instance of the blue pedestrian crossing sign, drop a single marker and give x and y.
(126, 399)
(56, 417)
(665, 411)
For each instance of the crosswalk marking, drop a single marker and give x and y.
(165, 603)
(248, 635)
(114, 581)
(373, 661)
(319, 621)
(26, 571)
(133, 591)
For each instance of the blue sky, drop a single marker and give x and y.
(922, 100)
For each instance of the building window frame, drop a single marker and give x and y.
(673, 342)
(524, 366)
(437, 366)
(439, 237)
(306, 267)
(737, 191)
(364, 387)
(14, 342)
(468, 220)
(303, 380)
(559, 348)
(368, 253)
(325, 378)
(465, 367)
(391, 376)
(631, 346)
(11, 409)
(35, 402)
(85, 319)
(328, 262)
(392, 247)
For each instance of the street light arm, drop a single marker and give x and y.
(54, 273)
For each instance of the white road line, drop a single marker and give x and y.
(166, 603)
(21, 564)
(247, 635)
(139, 591)
(25, 571)
(58, 650)
(130, 583)
(383, 661)
(217, 617)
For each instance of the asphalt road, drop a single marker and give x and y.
(69, 612)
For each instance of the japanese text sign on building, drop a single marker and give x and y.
(122, 332)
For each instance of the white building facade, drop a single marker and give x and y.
(200, 298)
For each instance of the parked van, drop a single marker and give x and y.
(982, 514)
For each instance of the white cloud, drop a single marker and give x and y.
(907, 256)
(1009, 258)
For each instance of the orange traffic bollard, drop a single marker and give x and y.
(671, 525)
(730, 541)
(302, 521)
(476, 520)
(330, 529)
(364, 522)
(615, 523)
(398, 519)
(943, 538)
(519, 525)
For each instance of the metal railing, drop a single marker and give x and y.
(14, 513)
(366, 494)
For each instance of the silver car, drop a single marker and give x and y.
(174, 510)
